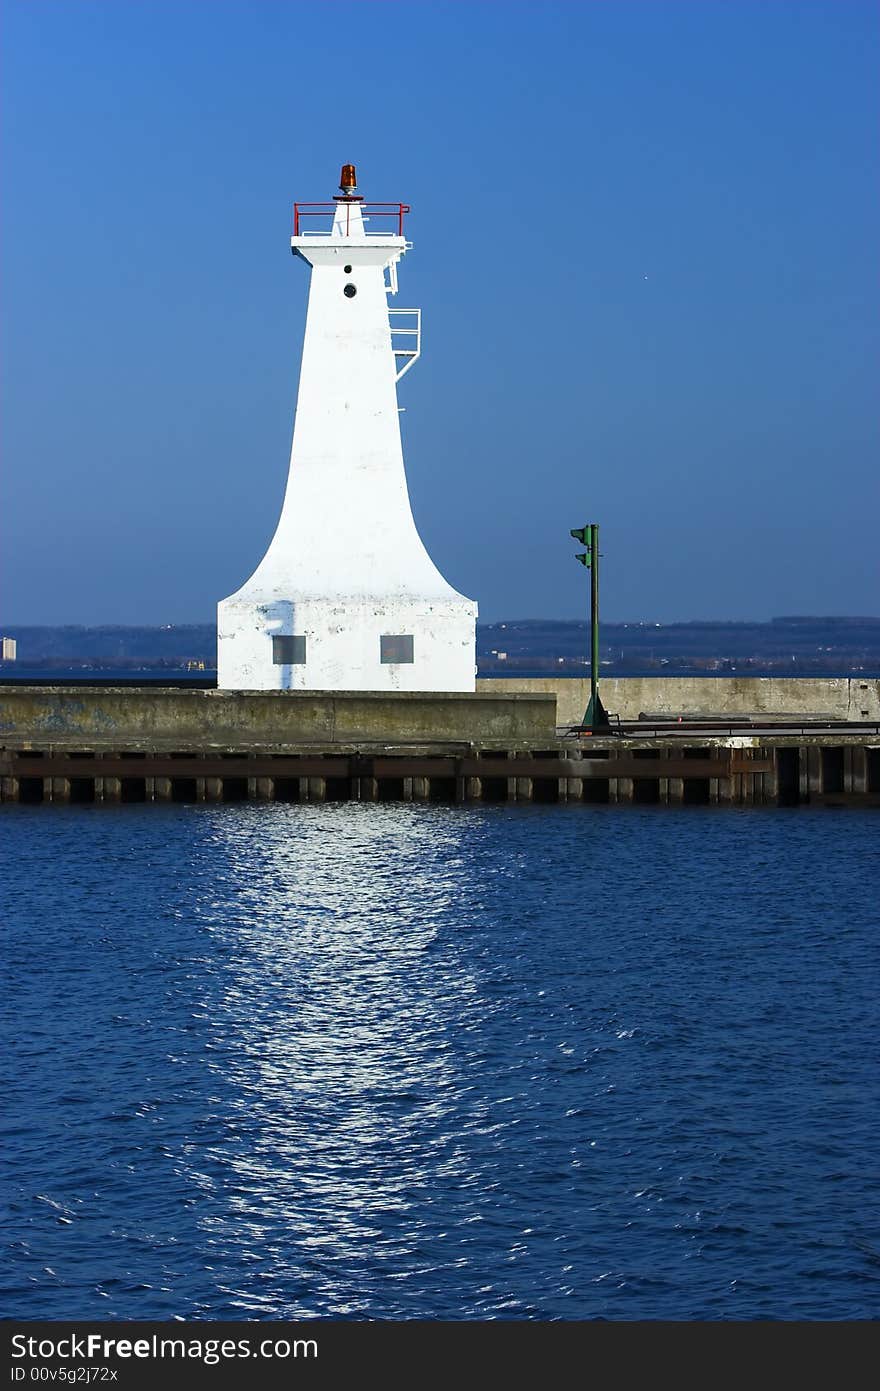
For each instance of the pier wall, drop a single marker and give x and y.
(209, 719)
(835, 698)
(812, 770)
(96, 744)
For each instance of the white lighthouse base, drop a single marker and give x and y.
(343, 648)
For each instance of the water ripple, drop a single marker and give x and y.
(488, 1062)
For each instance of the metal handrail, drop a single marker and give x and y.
(392, 210)
(638, 729)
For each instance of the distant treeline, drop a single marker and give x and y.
(799, 644)
(117, 645)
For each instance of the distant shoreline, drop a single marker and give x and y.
(798, 646)
(207, 680)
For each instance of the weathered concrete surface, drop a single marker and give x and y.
(141, 717)
(838, 698)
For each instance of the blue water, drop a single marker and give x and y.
(463, 1062)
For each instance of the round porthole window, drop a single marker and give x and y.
(350, 291)
(347, 270)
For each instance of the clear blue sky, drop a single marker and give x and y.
(645, 249)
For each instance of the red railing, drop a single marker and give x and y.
(394, 212)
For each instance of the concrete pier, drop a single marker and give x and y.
(78, 745)
(774, 771)
(776, 697)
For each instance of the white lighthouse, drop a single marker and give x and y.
(346, 597)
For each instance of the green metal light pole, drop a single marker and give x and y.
(596, 716)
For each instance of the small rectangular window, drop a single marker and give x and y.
(288, 651)
(396, 647)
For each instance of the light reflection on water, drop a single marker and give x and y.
(333, 1028)
(409, 1061)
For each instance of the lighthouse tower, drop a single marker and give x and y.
(346, 597)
